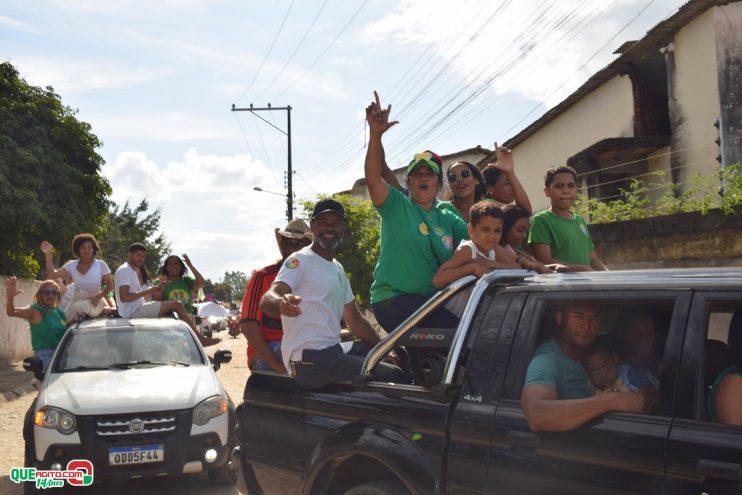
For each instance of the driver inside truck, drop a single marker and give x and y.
(557, 395)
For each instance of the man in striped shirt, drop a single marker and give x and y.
(263, 332)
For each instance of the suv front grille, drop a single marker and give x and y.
(134, 424)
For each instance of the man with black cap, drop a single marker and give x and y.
(312, 294)
(263, 332)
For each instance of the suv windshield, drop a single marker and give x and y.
(123, 347)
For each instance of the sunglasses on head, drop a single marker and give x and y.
(452, 177)
(49, 292)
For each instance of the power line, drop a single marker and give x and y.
(584, 64)
(265, 150)
(571, 33)
(323, 51)
(301, 41)
(244, 136)
(275, 38)
(506, 66)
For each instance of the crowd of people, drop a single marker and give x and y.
(293, 309)
(81, 289)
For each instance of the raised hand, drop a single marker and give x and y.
(10, 286)
(290, 305)
(377, 117)
(186, 259)
(504, 159)
(46, 248)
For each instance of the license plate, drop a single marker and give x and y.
(119, 456)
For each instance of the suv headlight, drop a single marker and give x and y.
(208, 409)
(58, 419)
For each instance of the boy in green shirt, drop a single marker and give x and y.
(558, 235)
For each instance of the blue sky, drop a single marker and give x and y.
(156, 80)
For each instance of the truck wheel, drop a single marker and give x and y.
(379, 488)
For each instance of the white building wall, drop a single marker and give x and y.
(604, 113)
(694, 98)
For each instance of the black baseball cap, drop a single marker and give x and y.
(328, 205)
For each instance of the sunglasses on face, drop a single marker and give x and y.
(452, 177)
(49, 292)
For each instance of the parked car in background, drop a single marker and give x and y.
(138, 398)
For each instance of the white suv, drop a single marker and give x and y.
(134, 397)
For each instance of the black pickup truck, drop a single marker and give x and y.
(461, 429)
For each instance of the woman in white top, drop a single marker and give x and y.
(87, 272)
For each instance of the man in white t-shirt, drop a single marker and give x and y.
(312, 293)
(130, 295)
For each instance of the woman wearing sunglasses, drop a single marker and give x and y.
(416, 237)
(47, 321)
(466, 186)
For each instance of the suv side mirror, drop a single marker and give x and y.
(221, 356)
(34, 365)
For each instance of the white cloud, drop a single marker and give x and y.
(209, 207)
(67, 75)
(18, 25)
(165, 126)
(134, 176)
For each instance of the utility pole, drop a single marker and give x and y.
(289, 173)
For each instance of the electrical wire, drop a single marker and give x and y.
(296, 49)
(541, 35)
(244, 136)
(270, 50)
(323, 52)
(625, 26)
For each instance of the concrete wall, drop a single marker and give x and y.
(606, 112)
(694, 97)
(15, 335)
(671, 241)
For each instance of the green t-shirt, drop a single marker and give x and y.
(447, 205)
(49, 331)
(409, 237)
(550, 366)
(568, 237)
(180, 290)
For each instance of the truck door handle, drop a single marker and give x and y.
(719, 469)
(523, 439)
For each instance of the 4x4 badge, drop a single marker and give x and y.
(136, 425)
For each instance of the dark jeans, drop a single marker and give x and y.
(390, 313)
(318, 368)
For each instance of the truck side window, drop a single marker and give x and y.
(722, 363)
(614, 346)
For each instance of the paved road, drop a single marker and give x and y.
(233, 375)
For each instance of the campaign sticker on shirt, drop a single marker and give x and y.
(423, 228)
(583, 228)
(438, 231)
(447, 241)
(292, 263)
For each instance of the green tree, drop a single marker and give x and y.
(360, 247)
(223, 291)
(236, 281)
(124, 225)
(50, 182)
